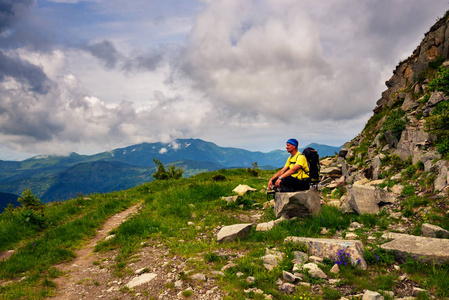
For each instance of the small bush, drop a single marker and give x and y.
(173, 172)
(29, 200)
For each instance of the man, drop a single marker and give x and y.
(294, 175)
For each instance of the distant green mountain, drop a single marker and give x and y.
(61, 177)
(6, 198)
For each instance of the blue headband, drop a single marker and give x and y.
(293, 142)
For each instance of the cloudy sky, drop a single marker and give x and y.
(93, 75)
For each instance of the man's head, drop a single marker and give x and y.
(292, 145)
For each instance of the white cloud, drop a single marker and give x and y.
(240, 73)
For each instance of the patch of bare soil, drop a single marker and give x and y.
(91, 275)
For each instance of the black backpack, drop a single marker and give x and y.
(313, 160)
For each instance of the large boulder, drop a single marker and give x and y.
(297, 204)
(331, 248)
(422, 249)
(365, 199)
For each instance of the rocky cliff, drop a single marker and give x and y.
(410, 122)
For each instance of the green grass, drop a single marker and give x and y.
(186, 209)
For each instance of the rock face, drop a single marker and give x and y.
(297, 204)
(230, 233)
(330, 248)
(423, 249)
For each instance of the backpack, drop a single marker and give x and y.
(313, 160)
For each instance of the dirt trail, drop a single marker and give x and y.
(80, 267)
(92, 275)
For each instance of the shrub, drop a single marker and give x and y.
(395, 122)
(438, 124)
(162, 174)
(29, 200)
(440, 82)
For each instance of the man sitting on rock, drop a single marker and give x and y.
(293, 176)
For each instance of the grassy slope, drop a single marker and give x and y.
(169, 206)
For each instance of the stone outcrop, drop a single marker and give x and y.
(329, 248)
(423, 249)
(297, 204)
(367, 199)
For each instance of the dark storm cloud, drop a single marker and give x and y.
(106, 52)
(30, 76)
(11, 11)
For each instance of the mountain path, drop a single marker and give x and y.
(93, 275)
(77, 269)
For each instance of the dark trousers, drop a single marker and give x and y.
(292, 184)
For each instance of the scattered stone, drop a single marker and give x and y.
(370, 295)
(289, 277)
(139, 271)
(355, 225)
(109, 237)
(429, 230)
(287, 288)
(178, 284)
(335, 269)
(230, 233)
(250, 279)
(334, 281)
(315, 259)
(141, 280)
(239, 274)
(351, 236)
(230, 199)
(228, 266)
(314, 270)
(199, 276)
(187, 290)
(242, 189)
(265, 226)
(300, 257)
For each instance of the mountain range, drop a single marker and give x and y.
(61, 177)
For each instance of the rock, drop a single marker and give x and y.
(335, 269)
(361, 181)
(397, 189)
(370, 295)
(230, 233)
(424, 249)
(441, 180)
(334, 203)
(330, 247)
(346, 208)
(351, 236)
(199, 276)
(289, 277)
(271, 261)
(230, 199)
(287, 288)
(367, 199)
(391, 139)
(314, 270)
(228, 266)
(331, 171)
(429, 230)
(297, 204)
(355, 225)
(250, 279)
(242, 189)
(301, 257)
(265, 226)
(141, 280)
